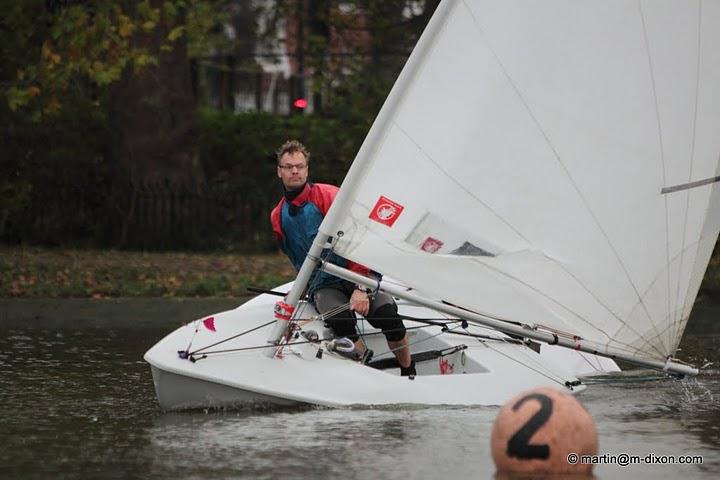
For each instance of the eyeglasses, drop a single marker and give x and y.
(289, 168)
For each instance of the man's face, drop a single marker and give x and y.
(293, 169)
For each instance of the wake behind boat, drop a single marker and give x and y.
(544, 169)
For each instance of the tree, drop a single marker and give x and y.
(151, 105)
(122, 70)
(129, 58)
(393, 29)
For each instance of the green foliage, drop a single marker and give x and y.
(204, 286)
(47, 54)
(202, 19)
(73, 46)
(58, 172)
(57, 176)
(376, 37)
(245, 144)
(51, 175)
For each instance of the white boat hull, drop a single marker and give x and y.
(180, 392)
(486, 372)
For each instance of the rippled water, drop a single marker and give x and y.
(77, 401)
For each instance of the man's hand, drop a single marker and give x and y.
(360, 302)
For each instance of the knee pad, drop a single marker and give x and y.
(391, 324)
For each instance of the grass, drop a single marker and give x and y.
(53, 273)
(50, 273)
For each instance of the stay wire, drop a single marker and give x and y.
(526, 365)
(481, 338)
(416, 342)
(240, 349)
(192, 339)
(333, 311)
(447, 322)
(285, 340)
(429, 322)
(232, 338)
(442, 322)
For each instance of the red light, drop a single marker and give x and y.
(300, 103)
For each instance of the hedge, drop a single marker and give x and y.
(57, 189)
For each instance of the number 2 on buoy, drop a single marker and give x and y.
(518, 446)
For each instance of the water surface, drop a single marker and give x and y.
(77, 401)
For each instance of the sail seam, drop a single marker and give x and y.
(589, 346)
(460, 185)
(536, 369)
(692, 163)
(592, 365)
(609, 338)
(651, 69)
(559, 160)
(584, 287)
(681, 319)
(609, 310)
(573, 312)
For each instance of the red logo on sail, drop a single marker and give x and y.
(431, 245)
(386, 211)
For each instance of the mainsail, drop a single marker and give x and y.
(552, 163)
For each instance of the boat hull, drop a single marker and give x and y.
(237, 373)
(182, 392)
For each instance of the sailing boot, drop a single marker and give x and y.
(409, 372)
(353, 351)
(367, 356)
(364, 354)
(363, 357)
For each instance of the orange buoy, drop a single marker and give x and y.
(539, 430)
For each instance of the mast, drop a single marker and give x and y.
(503, 326)
(361, 165)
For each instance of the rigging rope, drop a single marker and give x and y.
(293, 322)
(228, 339)
(240, 349)
(429, 322)
(417, 342)
(552, 379)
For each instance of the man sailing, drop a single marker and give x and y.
(295, 221)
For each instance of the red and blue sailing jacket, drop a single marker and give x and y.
(296, 224)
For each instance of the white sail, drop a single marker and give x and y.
(524, 152)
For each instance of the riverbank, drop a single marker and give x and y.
(63, 273)
(152, 312)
